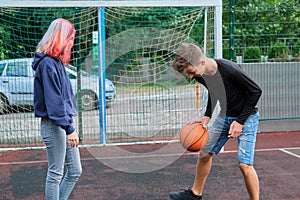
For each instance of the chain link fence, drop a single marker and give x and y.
(148, 102)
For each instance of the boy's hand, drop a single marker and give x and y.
(235, 129)
(203, 120)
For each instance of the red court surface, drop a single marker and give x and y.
(277, 162)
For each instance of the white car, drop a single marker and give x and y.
(16, 85)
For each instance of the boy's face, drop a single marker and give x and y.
(194, 72)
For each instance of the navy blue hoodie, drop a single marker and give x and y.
(53, 94)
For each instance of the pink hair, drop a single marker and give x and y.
(55, 40)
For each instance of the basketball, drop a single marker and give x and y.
(193, 137)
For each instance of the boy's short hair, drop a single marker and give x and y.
(187, 54)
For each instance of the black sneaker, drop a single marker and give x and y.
(184, 195)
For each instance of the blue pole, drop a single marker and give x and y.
(101, 74)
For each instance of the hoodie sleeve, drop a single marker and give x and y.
(55, 104)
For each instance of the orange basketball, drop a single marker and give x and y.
(193, 137)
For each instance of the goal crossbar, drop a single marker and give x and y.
(132, 3)
(110, 3)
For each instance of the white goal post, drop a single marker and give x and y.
(130, 43)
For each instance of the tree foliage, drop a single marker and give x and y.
(22, 28)
(257, 23)
(262, 23)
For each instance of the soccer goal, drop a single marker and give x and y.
(128, 45)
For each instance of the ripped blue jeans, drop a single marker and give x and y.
(218, 136)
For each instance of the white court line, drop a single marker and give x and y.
(24, 162)
(155, 155)
(290, 153)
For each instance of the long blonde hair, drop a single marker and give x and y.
(56, 38)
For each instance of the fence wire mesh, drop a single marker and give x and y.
(145, 99)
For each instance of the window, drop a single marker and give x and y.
(2, 66)
(71, 76)
(17, 69)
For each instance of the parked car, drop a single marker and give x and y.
(16, 85)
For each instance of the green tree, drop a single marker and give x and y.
(296, 48)
(23, 28)
(252, 54)
(278, 51)
(3, 34)
(261, 23)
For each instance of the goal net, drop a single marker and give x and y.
(120, 67)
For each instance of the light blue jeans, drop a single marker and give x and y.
(59, 187)
(218, 136)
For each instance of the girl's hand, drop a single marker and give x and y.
(73, 139)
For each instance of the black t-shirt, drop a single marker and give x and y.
(236, 92)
